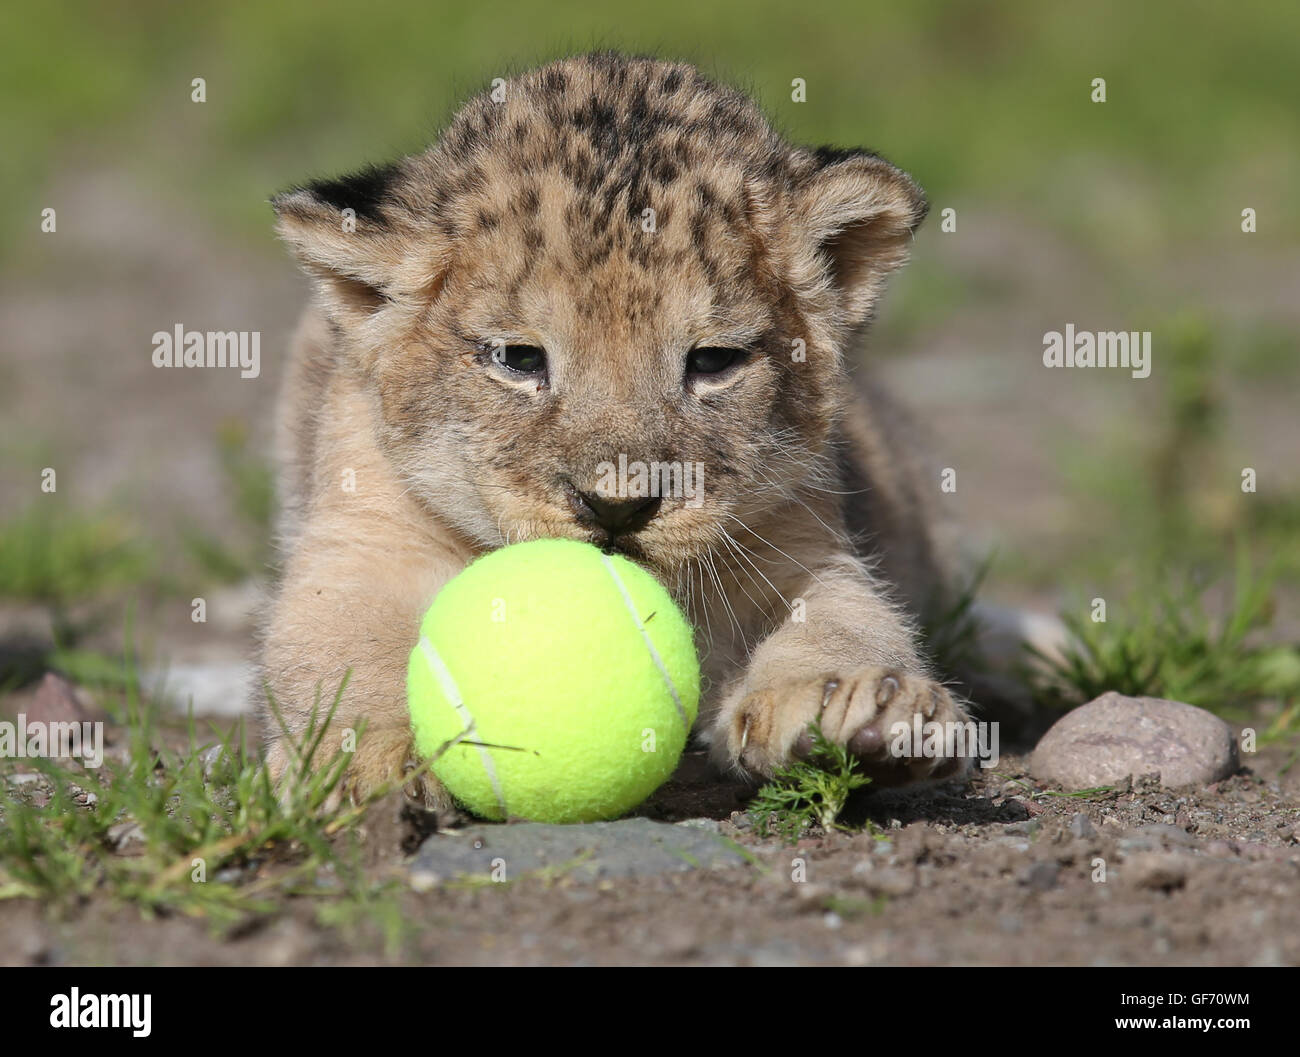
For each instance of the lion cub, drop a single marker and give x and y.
(611, 262)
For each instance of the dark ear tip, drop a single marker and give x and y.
(826, 157)
(296, 201)
(366, 191)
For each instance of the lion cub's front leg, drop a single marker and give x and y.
(363, 566)
(850, 666)
(346, 610)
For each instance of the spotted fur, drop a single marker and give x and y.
(617, 213)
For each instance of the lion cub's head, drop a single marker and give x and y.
(610, 304)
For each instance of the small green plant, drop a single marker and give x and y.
(851, 908)
(202, 832)
(808, 792)
(1165, 643)
(951, 633)
(1097, 792)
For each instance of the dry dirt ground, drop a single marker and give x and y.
(986, 875)
(989, 874)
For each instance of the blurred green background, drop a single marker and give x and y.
(981, 99)
(1122, 215)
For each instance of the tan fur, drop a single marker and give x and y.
(812, 551)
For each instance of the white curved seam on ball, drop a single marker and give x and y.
(452, 692)
(649, 645)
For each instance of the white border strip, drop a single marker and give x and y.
(649, 645)
(452, 693)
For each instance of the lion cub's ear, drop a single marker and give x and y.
(361, 242)
(855, 214)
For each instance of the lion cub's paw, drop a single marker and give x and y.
(382, 760)
(768, 728)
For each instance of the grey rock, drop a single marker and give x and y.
(634, 847)
(57, 700)
(1169, 834)
(1081, 826)
(1113, 737)
(709, 825)
(1040, 876)
(210, 759)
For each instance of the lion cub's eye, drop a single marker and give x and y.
(525, 359)
(713, 361)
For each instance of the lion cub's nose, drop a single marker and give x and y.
(615, 516)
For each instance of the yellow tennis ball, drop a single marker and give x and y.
(569, 675)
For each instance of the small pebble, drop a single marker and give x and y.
(123, 833)
(1172, 834)
(1040, 876)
